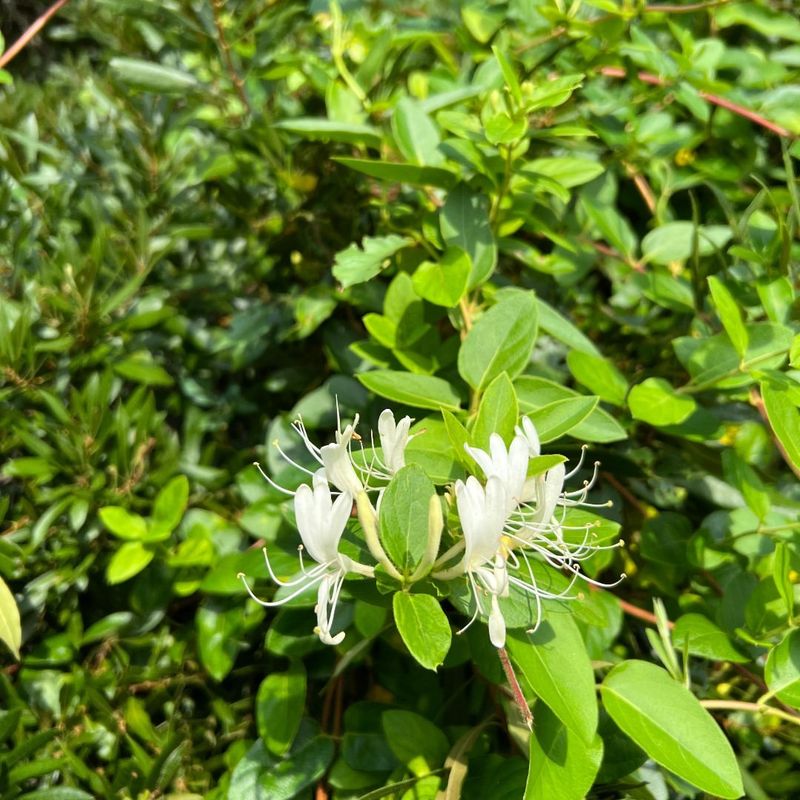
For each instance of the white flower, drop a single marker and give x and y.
(320, 522)
(510, 465)
(338, 463)
(530, 434)
(394, 438)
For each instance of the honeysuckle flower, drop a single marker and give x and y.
(510, 465)
(321, 521)
(394, 437)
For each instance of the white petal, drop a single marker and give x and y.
(497, 625)
(482, 458)
(308, 527)
(553, 486)
(530, 433)
(339, 468)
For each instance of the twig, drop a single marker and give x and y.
(516, 689)
(32, 30)
(642, 185)
(757, 401)
(626, 493)
(236, 79)
(755, 708)
(735, 108)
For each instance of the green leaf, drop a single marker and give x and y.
(443, 282)
(128, 561)
(280, 702)
(415, 133)
(416, 742)
(464, 222)
(432, 450)
(554, 663)
(559, 327)
(168, 509)
(676, 241)
(655, 401)
(784, 417)
(560, 417)
(332, 130)
(705, 639)
(400, 172)
(561, 764)
(10, 627)
(497, 413)
(670, 725)
(300, 770)
(404, 517)
(781, 574)
(510, 75)
(569, 171)
(599, 376)
(794, 352)
(356, 265)
(152, 77)
(782, 670)
(458, 436)
(502, 129)
(500, 341)
(743, 477)
(423, 627)
(534, 393)
(730, 314)
(123, 523)
(419, 391)
(140, 368)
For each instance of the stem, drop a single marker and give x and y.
(34, 28)
(236, 79)
(516, 689)
(451, 553)
(337, 51)
(504, 187)
(369, 522)
(755, 708)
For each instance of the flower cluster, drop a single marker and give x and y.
(515, 515)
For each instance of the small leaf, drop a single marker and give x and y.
(558, 418)
(357, 264)
(599, 376)
(152, 77)
(168, 509)
(782, 670)
(400, 172)
(497, 413)
(443, 282)
(416, 741)
(280, 702)
(123, 523)
(729, 314)
(656, 402)
(419, 391)
(10, 627)
(500, 341)
(784, 417)
(423, 626)
(669, 724)
(128, 561)
(704, 639)
(415, 133)
(331, 130)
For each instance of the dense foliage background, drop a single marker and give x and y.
(182, 184)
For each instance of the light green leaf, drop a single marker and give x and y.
(497, 413)
(561, 764)
(670, 725)
(553, 662)
(443, 282)
(782, 670)
(404, 517)
(10, 627)
(419, 391)
(569, 171)
(168, 509)
(416, 741)
(500, 341)
(729, 314)
(141, 368)
(781, 574)
(559, 327)
(416, 134)
(675, 241)
(599, 376)
(123, 523)
(431, 449)
(705, 639)
(784, 417)
(128, 561)
(464, 222)
(356, 265)
(152, 77)
(560, 417)
(280, 702)
(400, 172)
(423, 626)
(656, 402)
(331, 130)
(501, 129)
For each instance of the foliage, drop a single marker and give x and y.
(222, 216)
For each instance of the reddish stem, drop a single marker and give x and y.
(516, 689)
(32, 30)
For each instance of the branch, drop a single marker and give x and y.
(236, 79)
(735, 108)
(516, 689)
(754, 708)
(37, 25)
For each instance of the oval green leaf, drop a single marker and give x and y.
(423, 626)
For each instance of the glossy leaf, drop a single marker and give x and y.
(423, 626)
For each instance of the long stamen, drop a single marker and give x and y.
(291, 461)
(311, 574)
(577, 467)
(282, 601)
(272, 482)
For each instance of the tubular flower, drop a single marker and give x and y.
(320, 522)
(394, 437)
(510, 465)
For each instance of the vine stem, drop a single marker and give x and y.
(755, 708)
(516, 689)
(32, 30)
(216, 10)
(714, 99)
